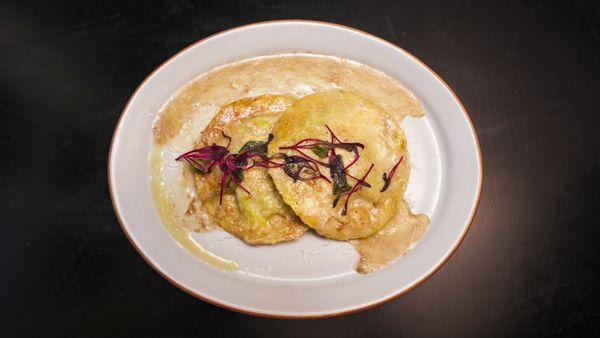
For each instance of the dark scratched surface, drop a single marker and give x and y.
(527, 71)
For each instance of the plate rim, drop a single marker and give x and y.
(358, 308)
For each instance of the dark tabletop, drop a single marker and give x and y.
(527, 71)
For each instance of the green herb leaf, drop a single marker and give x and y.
(336, 171)
(238, 174)
(259, 147)
(298, 168)
(320, 151)
(254, 146)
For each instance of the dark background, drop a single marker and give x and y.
(527, 71)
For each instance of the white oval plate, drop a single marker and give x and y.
(311, 277)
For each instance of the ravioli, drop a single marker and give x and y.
(353, 119)
(260, 218)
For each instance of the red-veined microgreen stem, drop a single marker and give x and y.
(387, 178)
(355, 188)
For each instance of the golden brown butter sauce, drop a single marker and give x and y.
(293, 74)
(297, 75)
(391, 242)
